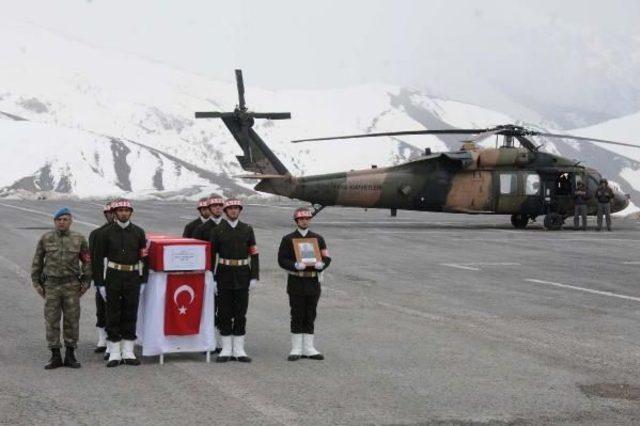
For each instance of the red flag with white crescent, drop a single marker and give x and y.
(183, 304)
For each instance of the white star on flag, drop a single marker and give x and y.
(182, 310)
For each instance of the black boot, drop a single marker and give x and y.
(70, 358)
(55, 361)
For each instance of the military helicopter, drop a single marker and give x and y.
(520, 181)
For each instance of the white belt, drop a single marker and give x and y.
(121, 267)
(303, 273)
(233, 262)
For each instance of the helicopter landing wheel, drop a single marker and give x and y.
(519, 220)
(553, 221)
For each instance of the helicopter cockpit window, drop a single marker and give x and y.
(532, 184)
(508, 183)
(592, 183)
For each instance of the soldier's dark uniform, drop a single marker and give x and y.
(62, 267)
(101, 320)
(580, 199)
(191, 227)
(203, 232)
(604, 195)
(125, 250)
(303, 288)
(238, 265)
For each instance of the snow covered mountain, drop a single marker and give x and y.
(83, 121)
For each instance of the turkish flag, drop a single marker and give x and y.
(183, 304)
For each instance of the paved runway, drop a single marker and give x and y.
(424, 319)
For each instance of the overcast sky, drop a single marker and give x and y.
(315, 44)
(460, 49)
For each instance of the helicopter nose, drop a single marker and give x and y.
(620, 201)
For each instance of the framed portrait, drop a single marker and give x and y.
(307, 250)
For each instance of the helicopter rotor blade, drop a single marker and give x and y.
(401, 133)
(240, 84)
(584, 139)
(272, 115)
(213, 114)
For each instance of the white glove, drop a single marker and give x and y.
(253, 284)
(103, 292)
(215, 288)
(142, 286)
(319, 266)
(300, 266)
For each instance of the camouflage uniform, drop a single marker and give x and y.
(56, 268)
(604, 195)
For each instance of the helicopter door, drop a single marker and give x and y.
(509, 191)
(562, 199)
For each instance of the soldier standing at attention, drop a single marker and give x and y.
(58, 278)
(604, 195)
(238, 271)
(580, 198)
(124, 245)
(214, 206)
(303, 287)
(203, 232)
(204, 215)
(101, 346)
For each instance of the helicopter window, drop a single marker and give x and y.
(563, 184)
(592, 184)
(532, 186)
(508, 183)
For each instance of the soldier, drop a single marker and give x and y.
(237, 272)
(303, 286)
(580, 198)
(58, 278)
(124, 245)
(604, 195)
(101, 346)
(203, 209)
(214, 205)
(203, 232)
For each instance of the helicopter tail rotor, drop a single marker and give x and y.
(257, 158)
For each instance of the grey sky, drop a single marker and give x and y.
(468, 50)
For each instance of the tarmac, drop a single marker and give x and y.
(425, 318)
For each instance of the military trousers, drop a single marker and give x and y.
(232, 311)
(101, 310)
(123, 295)
(62, 301)
(604, 209)
(303, 313)
(580, 211)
